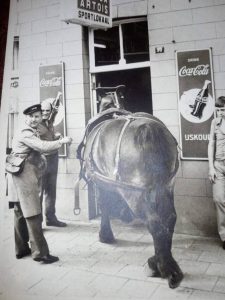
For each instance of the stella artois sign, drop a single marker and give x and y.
(196, 101)
(93, 13)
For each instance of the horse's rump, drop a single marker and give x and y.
(137, 150)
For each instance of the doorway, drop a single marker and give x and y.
(138, 97)
(120, 56)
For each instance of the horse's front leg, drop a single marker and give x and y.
(105, 233)
(161, 220)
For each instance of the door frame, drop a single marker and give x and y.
(121, 66)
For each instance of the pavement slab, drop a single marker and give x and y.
(88, 269)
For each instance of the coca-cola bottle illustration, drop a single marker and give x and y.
(201, 100)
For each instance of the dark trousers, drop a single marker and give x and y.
(48, 194)
(29, 229)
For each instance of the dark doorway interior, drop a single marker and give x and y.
(138, 95)
(4, 16)
(138, 98)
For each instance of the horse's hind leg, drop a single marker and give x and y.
(161, 218)
(153, 268)
(105, 233)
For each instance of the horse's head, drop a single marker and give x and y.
(106, 102)
(113, 99)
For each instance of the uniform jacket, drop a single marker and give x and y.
(25, 187)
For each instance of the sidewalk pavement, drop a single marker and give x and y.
(89, 269)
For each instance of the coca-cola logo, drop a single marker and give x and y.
(196, 71)
(55, 81)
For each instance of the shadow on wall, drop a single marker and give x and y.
(198, 221)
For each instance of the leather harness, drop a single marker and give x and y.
(93, 174)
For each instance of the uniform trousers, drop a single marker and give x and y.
(219, 196)
(29, 229)
(49, 180)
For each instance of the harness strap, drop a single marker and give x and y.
(76, 208)
(94, 175)
(117, 158)
(113, 183)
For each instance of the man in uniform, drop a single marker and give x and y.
(24, 188)
(47, 133)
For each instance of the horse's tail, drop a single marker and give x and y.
(153, 131)
(158, 147)
(153, 134)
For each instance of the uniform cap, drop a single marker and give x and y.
(32, 109)
(220, 102)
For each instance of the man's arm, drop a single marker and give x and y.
(35, 143)
(55, 107)
(211, 153)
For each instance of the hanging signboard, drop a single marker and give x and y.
(51, 83)
(196, 101)
(93, 13)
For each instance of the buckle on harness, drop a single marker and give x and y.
(76, 211)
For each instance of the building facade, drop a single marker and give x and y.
(138, 51)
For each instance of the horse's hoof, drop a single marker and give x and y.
(107, 239)
(175, 280)
(153, 269)
(126, 216)
(150, 272)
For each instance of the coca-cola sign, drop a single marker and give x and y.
(199, 70)
(196, 101)
(51, 84)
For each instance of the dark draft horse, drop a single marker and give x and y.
(135, 156)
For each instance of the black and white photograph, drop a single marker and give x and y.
(112, 154)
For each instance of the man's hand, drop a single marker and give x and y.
(58, 136)
(212, 175)
(66, 140)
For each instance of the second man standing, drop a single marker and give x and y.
(48, 193)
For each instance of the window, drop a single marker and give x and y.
(107, 46)
(15, 53)
(123, 44)
(13, 94)
(135, 42)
